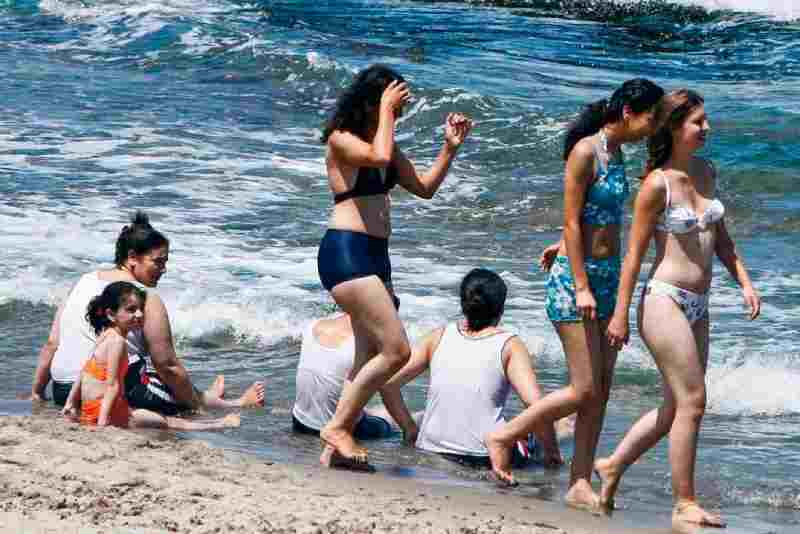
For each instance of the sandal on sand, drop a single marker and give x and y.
(340, 461)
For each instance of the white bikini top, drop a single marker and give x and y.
(682, 220)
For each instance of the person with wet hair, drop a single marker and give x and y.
(141, 255)
(473, 366)
(584, 275)
(364, 164)
(679, 207)
(98, 394)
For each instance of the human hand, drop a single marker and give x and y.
(69, 411)
(753, 300)
(618, 331)
(410, 434)
(456, 129)
(586, 304)
(549, 256)
(395, 96)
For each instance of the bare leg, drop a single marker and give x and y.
(252, 397)
(681, 352)
(147, 419)
(382, 348)
(582, 391)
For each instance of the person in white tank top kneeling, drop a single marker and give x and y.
(473, 364)
(141, 256)
(326, 356)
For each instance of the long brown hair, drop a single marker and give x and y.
(675, 107)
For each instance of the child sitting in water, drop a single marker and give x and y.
(99, 389)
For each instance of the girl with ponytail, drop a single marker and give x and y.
(99, 389)
(582, 285)
(677, 205)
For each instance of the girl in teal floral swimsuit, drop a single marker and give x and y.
(582, 287)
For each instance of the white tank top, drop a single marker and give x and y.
(467, 393)
(321, 373)
(76, 337)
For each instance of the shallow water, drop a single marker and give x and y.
(206, 114)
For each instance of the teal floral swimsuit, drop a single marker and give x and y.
(604, 205)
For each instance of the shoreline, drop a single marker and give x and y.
(59, 477)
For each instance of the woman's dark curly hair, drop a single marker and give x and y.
(677, 106)
(367, 88)
(639, 94)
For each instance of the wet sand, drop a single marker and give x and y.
(58, 477)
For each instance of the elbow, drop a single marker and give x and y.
(427, 194)
(382, 161)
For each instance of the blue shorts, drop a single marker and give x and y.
(368, 427)
(345, 255)
(603, 277)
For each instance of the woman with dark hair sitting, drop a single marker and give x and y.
(364, 164)
(141, 258)
(473, 364)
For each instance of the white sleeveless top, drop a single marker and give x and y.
(321, 373)
(76, 337)
(467, 393)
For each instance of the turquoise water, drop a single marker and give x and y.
(206, 114)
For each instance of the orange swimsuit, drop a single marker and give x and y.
(90, 409)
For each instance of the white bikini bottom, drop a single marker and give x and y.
(693, 305)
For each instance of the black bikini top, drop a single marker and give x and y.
(370, 181)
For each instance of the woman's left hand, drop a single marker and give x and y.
(456, 129)
(618, 331)
(753, 301)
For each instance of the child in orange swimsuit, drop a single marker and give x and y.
(100, 387)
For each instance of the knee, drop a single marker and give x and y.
(587, 396)
(693, 405)
(397, 353)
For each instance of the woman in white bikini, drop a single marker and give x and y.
(678, 205)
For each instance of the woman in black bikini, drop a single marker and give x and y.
(363, 165)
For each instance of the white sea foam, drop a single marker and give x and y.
(781, 9)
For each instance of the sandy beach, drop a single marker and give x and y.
(56, 476)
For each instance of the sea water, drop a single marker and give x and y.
(207, 114)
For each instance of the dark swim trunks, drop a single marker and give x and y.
(61, 392)
(145, 390)
(369, 427)
(520, 457)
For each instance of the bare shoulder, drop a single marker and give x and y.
(340, 139)
(514, 345)
(655, 181)
(583, 150)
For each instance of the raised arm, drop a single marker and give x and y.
(520, 373)
(116, 351)
(727, 254)
(420, 361)
(158, 334)
(456, 130)
(353, 151)
(649, 204)
(41, 377)
(577, 177)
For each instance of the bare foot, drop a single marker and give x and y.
(254, 396)
(232, 420)
(582, 496)
(690, 512)
(217, 389)
(340, 449)
(500, 456)
(610, 475)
